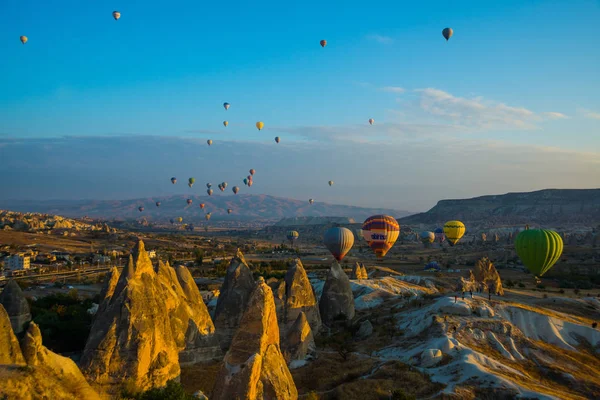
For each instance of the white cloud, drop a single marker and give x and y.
(381, 39)
(393, 89)
(555, 115)
(479, 113)
(590, 114)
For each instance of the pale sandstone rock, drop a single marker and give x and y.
(337, 300)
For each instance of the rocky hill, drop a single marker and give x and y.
(549, 207)
(37, 222)
(243, 206)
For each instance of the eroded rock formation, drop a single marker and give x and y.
(235, 293)
(16, 306)
(132, 339)
(299, 341)
(337, 300)
(10, 352)
(487, 277)
(254, 366)
(299, 298)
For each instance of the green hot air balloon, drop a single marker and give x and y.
(191, 182)
(338, 241)
(538, 249)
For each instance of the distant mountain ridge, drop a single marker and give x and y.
(543, 207)
(243, 206)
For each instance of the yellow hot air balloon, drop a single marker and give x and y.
(260, 125)
(23, 39)
(454, 230)
(116, 15)
(225, 123)
(209, 142)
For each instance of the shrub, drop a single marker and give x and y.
(541, 286)
(401, 395)
(561, 291)
(576, 291)
(521, 285)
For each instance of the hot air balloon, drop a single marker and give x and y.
(330, 183)
(235, 189)
(439, 234)
(249, 177)
(229, 211)
(310, 201)
(447, 33)
(381, 232)
(189, 201)
(158, 204)
(140, 208)
(209, 142)
(260, 125)
(173, 180)
(225, 123)
(191, 182)
(208, 185)
(221, 188)
(538, 249)
(23, 39)
(224, 184)
(252, 171)
(454, 230)
(245, 181)
(172, 221)
(427, 237)
(202, 206)
(207, 216)
(116, 15)
(277, 139)
(250, 183)
(323, 43)
(371, 121)
(338, 241)
(179, 219)
(226, 105)
(209, 191)
(292, 236)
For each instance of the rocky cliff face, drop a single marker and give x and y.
(132, 339)
(337, 300)
(547, 207)
(299, 298)
(10, 352)
(16, 306)
(235, 293)
(108, 289)
(36, 372)
(44, 222)
(254, 366)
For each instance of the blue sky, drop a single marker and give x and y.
(517, 78)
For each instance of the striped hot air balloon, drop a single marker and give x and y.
(538, 249)
(381, 232)
(292, 236)
(454, 230)
(338, 241)
(439, 234)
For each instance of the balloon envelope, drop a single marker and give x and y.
(323, 43)
(427, 237)
(252, 171)
(192, 180)
(173, 180)
(292, 235)
(116, 15)
(371, 121)
(226, 105)
(23, 39)
(381, 232)
(447, 33)
(158, 204)
(277, 139)
(235, 189)
(338, 241)
(225, 123)
(454, 230)
(538, 249)
(260, 125)
(141, 209)
(330, 183)
(439, 234)
(311, 201)
(202, 205)
(209, 142)
(229, 211)
(209, 191)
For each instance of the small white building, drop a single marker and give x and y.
(151, 253)
(17, 262)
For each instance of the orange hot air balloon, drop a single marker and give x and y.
(381, 232)
(116, 15)
(323, 43)
(252, 171)
(202, 206)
